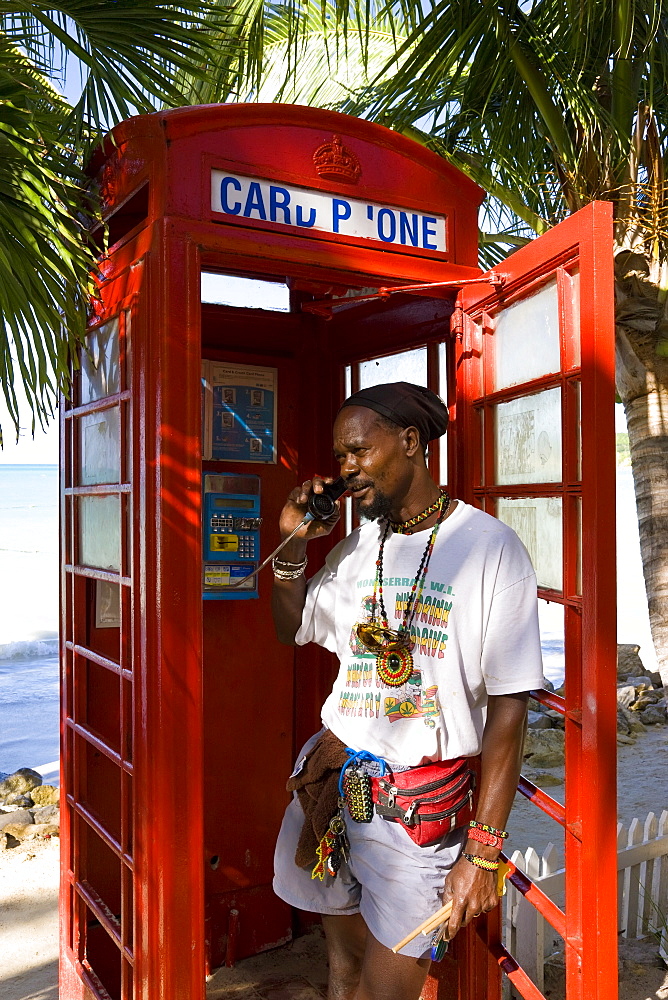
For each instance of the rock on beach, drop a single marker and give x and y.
(28, 809)
(47, 814)
(45, 795)
(544, 747)
(20, 782)
(641, 702)
(629, 663)
(16, 817)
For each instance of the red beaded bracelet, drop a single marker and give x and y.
(475, 833)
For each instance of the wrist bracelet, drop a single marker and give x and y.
(288, 571)
(490, 839)
(475, 859)
(489, 829)
(284, 564)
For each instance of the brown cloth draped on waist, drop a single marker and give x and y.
(318, 793)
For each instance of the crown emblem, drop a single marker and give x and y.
(336, 163)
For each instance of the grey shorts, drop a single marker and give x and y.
(391, 881)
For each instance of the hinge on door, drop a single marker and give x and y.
(496, 279)
(457, 322)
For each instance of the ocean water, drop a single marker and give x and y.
(29, 618)
(29, 611)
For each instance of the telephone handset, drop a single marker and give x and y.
(321, 506)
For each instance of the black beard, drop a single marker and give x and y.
(373, 510)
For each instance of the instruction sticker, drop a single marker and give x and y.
(242, 418)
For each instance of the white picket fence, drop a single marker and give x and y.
(642, 895)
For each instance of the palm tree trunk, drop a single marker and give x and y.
(642, 384)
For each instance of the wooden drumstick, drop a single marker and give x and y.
(427, 926)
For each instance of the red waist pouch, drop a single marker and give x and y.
(428, 801)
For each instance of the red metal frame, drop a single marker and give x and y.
(146, 905)
(589, 925)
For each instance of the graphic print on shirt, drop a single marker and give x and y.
(412, 702)
(428, 631)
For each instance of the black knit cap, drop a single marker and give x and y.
(407, 405)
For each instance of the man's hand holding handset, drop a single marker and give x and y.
(297, 507)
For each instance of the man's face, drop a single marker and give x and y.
(373, 460)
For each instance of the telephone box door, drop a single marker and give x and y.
(535, 446)
(99, 681)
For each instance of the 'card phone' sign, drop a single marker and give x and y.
(288, 205)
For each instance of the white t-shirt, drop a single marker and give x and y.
(475, 632)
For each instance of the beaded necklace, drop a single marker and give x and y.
(394, 660)
(403, 527)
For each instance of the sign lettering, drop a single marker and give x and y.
(288, 205)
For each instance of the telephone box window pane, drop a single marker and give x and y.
(538, 522)
(244, 293)
(100, 370)
(526, 339)
(127, 354)
(443, 393)
(552, 641)
(528, 439)
(99, 532)
(100, 447)
(578, 568)
(575, 306)
(409, 366)
(578, 392)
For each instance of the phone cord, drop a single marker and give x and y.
(240, 583)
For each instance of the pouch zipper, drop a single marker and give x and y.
(408, 817)
(393, 792)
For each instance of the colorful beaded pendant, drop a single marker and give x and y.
(394, 666)
(394, 661)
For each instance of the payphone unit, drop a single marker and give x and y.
(231, 536)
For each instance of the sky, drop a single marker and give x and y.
(40, 450)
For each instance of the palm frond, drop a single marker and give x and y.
(132, 57)
(296, 52)
(330, 68)
(130, 54)
(44, 265)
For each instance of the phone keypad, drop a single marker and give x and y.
(247, 547)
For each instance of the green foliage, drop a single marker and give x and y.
(297, 54)
(43, 265)
(546, 105)
(623, 450)
(131, 56)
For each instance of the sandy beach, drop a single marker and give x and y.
(29, 921)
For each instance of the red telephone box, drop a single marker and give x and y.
(239, 303)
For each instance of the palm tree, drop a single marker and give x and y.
(547, 105)
(129, 55)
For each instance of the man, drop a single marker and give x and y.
(431, 608)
